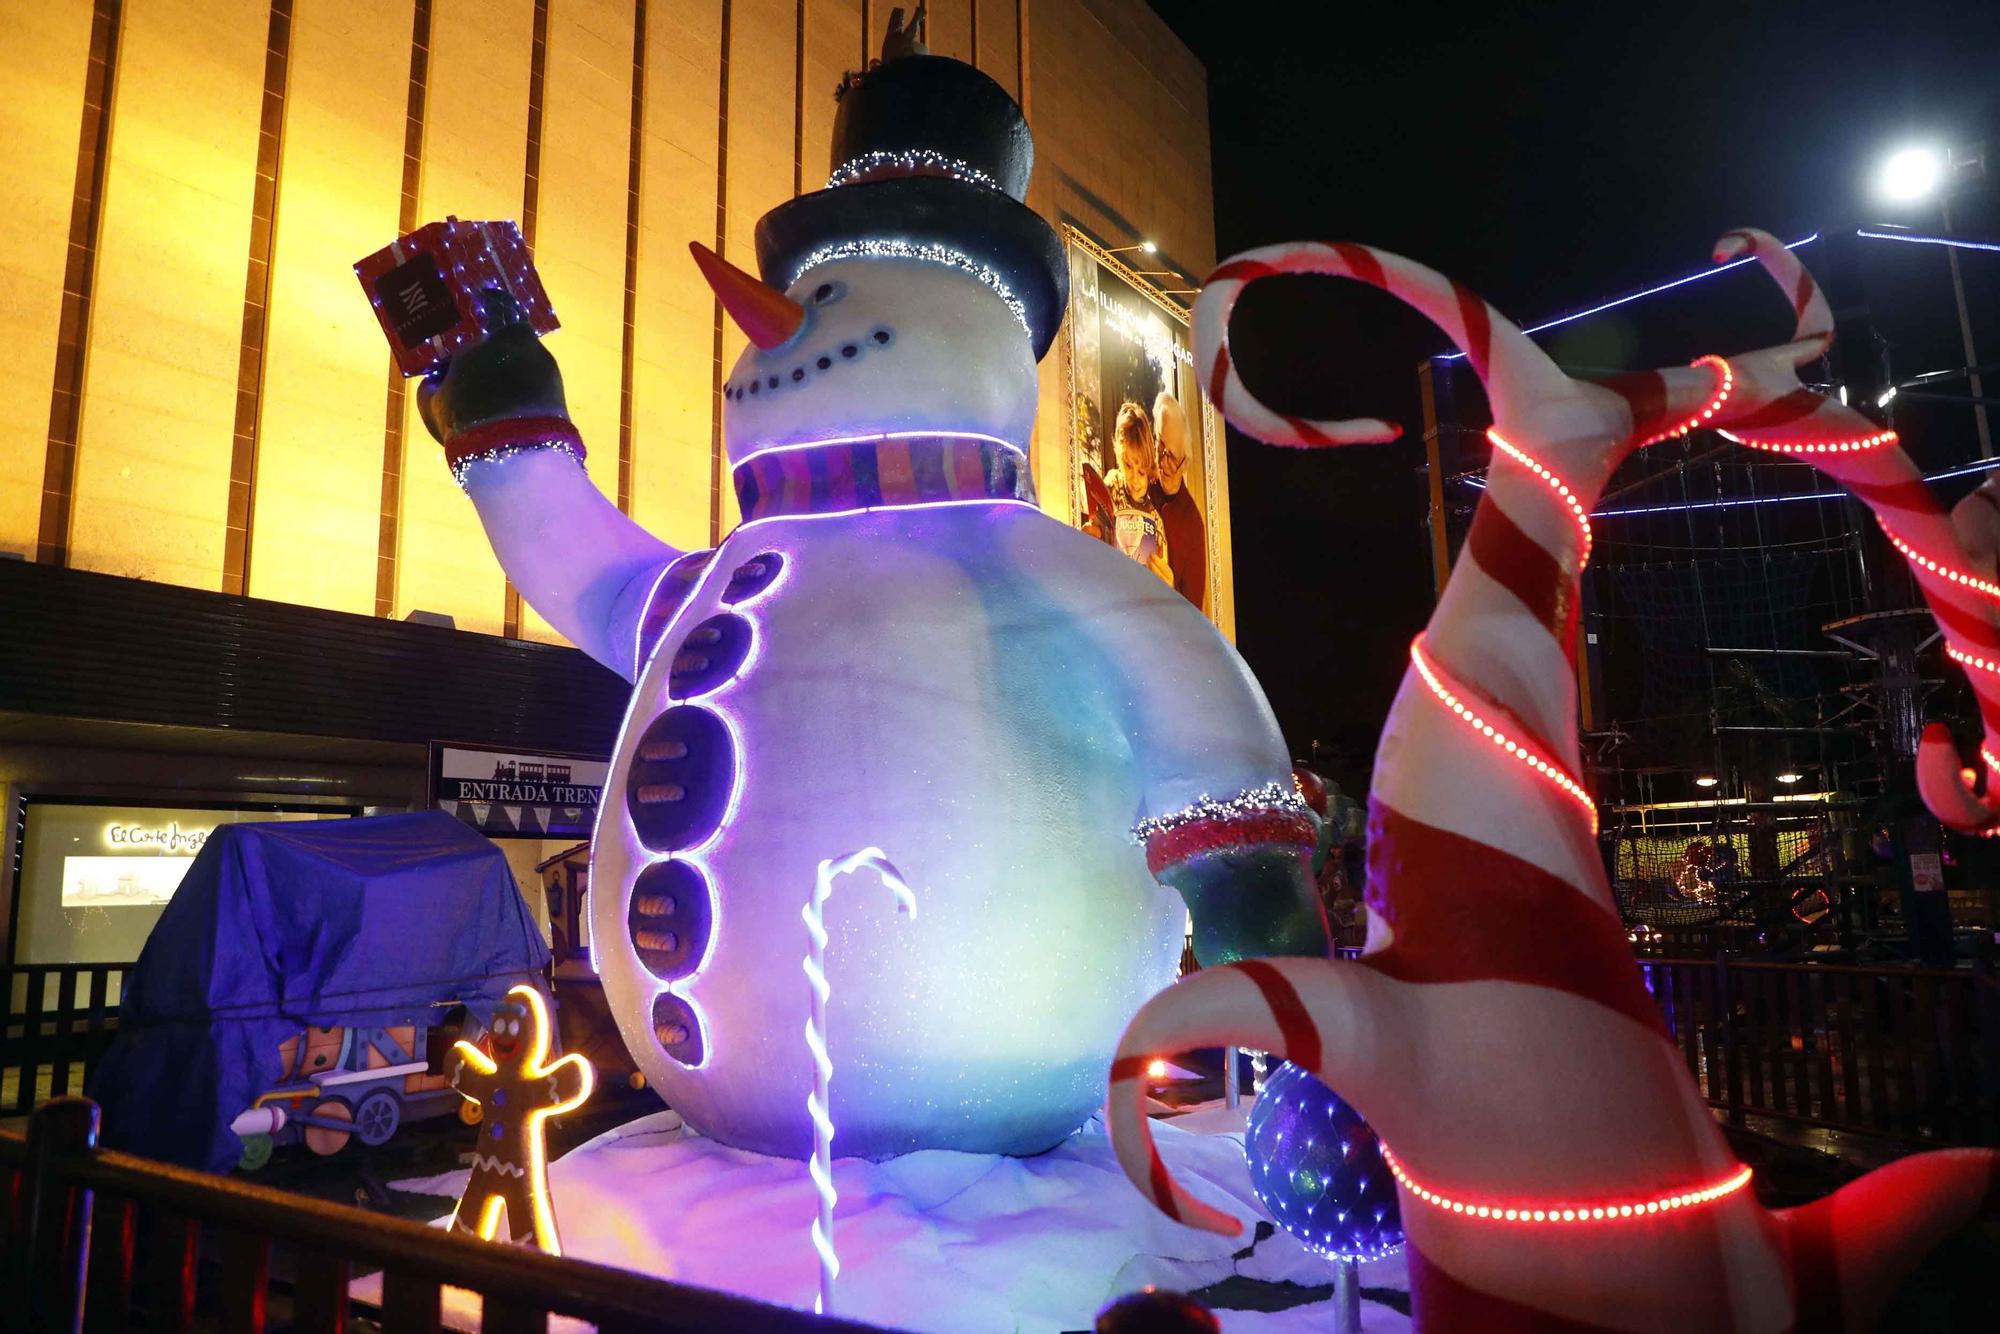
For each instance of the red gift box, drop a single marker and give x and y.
(426, 287)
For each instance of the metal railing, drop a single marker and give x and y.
(56, 1021)
(1910, 1053)
(1907, 1053)
(90, 1238)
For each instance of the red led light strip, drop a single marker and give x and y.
(1917, 558)
(1853, 446)
(1556, 483)
(1964, 659)
(1610, 1212)
(1819, 447)
(1548, 769)
(1724, 385)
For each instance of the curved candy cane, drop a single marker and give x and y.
(817, 1104)
(1559, 1167)
(1958, 586)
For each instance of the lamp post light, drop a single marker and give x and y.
(1911, 175)
(1146, 246)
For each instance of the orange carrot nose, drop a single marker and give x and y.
(768, 316)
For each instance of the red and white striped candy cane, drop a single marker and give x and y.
(1559, 1167)
(1959, 586)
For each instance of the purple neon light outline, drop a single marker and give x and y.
(890, 509)
(641, 660)
(632, 711)
(1709, 272)
(1924, 238)
(699, 855)
(762, 450)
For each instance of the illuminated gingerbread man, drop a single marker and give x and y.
(517, 1090)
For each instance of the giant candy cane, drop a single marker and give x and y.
(1559, 1168)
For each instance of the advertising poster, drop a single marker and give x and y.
(1145, 465)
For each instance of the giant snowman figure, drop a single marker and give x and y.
(895, 647)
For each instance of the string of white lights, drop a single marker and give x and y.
(818, 1105)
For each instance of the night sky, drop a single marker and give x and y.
(1549, 156)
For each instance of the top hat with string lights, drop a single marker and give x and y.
(931, 160)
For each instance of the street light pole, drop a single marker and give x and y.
(1914, 174)
(1965, 335)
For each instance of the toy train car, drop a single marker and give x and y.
(343, 1083)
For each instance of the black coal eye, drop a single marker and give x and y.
(882, 337)
(828, 292)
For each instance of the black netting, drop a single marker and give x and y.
(1684, 609)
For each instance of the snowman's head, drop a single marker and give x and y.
(881, 345)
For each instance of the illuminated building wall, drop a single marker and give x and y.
(200, 395)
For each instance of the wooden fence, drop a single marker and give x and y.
(56, 1020)
(91, 1239)
(1909, 1053)
(1912, 1053)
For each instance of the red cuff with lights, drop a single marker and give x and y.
(1170, 847)
(510, 435)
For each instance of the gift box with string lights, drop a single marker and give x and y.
(427, 288)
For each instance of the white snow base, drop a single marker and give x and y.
(933, 1240)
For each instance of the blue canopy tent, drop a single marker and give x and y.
(279, 926)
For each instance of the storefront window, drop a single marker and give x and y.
(94, 879)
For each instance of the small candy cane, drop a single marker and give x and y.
(817, 1105)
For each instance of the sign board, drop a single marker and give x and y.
(94, 878)
(1926, 872)
(508, 794)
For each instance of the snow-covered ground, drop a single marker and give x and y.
(937, 1240)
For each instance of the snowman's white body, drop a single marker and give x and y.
(989, 696)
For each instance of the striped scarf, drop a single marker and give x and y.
(883, 472)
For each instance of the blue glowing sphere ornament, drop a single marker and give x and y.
(1317, 1167)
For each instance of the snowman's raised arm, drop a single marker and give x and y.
(589, 570)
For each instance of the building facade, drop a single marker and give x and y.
(200, 394)
(224, 503)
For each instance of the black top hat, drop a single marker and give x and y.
(930, 159)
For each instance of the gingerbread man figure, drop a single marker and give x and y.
(517, 1090)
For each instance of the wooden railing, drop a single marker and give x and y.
(1912, 1053)
(91, 1239)
(56, 1020)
